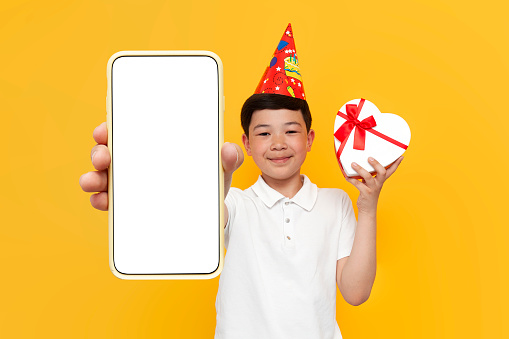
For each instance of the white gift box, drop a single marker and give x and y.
(362, 131)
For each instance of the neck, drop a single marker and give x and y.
(287, 187)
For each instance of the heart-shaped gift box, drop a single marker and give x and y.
(362, 131)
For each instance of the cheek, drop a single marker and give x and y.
(260, 150)
(301, 146)
(257, 149)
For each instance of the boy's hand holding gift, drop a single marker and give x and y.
(370, 187)
(363, 133)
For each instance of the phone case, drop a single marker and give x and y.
(199, 253)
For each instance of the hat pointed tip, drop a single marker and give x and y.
(283, 76)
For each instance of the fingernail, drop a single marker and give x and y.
(371, 159)
(354, 164)
(93, 155)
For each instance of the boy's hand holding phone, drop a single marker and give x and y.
(97, 181)
(231, 157)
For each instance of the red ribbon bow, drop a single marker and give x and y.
(351, 122)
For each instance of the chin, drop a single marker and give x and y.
(280, 175)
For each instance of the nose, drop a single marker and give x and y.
(278, 143)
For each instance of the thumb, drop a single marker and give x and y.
(231, 157)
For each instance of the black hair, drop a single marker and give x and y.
(272, 101)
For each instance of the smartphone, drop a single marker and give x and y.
(165, 182)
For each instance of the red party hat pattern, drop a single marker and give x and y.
(283, 76)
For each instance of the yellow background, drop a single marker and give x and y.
(442, 233)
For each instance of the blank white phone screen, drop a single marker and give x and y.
(165, 164)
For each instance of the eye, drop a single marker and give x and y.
(263, 134)
(292, 132)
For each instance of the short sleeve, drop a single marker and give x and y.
(348, 226)
(231, 201)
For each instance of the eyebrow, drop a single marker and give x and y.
(292, 123)
(260, 126)
(286, 124)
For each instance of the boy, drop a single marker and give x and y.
(288, 243)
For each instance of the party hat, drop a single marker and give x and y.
(283, 76)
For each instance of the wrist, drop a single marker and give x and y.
(368, 213)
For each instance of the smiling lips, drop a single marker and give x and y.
(279, 160)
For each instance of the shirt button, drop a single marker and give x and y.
(287, 220)
(286, 203)
(289, 237)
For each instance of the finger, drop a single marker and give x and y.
(364, 174)
(393, 167)
(101, 158)
(101, 134)
(231, 157)
(100, 201)
(359, 185)
(380, 170)
(94, 181)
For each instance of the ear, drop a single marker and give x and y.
(311, 138)
(245, 141)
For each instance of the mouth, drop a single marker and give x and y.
(279, 160)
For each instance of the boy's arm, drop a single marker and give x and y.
(355, 274)
(231, 157)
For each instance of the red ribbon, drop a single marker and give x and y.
(351, 122)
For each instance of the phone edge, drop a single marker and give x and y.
(221, 110)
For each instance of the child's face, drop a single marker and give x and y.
(278, 142)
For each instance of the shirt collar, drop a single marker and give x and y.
(305, 197)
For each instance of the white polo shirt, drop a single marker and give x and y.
(279, 276)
